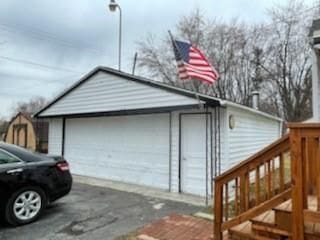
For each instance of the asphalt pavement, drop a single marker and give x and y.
(95, 213)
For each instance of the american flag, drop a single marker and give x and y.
(192, 64)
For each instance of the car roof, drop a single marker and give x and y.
(22, 153)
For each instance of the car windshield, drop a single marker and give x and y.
(24, 154)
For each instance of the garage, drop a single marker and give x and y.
(133, 149)
(124, 128)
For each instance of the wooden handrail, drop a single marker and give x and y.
(257, 210)
(251, 185)
(244, 164)
(303, 125)
(238, 191)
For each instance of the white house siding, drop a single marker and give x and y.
(315, 85)
(55, 136)
(105, 92)
(222, 148)
(251, 133)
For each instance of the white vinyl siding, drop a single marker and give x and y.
(223, 152)
(316, 85)
(251, 133)
(105, 92)
(55, 136)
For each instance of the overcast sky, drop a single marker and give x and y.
(46, 45)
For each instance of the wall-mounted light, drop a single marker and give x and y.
(232, 122)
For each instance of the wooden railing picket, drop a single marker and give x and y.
(257, 185)
(236, 198)
(254, 188)
(226, 207)
(244, 198)
(269, 180)
(268, 169)
(281, 172)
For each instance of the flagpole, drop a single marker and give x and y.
(193, 87)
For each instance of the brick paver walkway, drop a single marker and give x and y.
(177, 227)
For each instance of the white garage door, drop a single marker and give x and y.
(132, 149)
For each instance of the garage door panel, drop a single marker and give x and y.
(132, 149)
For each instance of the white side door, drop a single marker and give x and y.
(193, 154)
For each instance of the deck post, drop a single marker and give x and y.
(297, 169)
(218, 211)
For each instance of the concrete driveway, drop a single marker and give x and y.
(95, 213)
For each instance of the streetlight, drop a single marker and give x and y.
(113, 7)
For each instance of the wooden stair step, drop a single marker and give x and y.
(265, 219)
(264, 225)
(244, 231)
(312, 229)
(287, 205)
(271, 231)
(283, 216)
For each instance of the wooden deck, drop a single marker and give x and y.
(274, 194)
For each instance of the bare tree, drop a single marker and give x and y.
(272, 58)
(30, 107)
(288, 61)
(228, 47)
(3, 127)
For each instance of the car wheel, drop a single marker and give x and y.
(25, 206)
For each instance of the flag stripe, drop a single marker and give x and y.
(201, 76)
(211, 74)
(192, 64)
(199, 68)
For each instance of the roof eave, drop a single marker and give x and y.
(255, 111)
(210, 101)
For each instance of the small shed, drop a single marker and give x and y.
(126, 128)
(27, 132)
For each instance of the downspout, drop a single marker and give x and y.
(170, 150)
(207, 155)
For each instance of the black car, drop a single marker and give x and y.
(28, 182)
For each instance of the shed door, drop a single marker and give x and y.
(20, 135)
(193, 154)
(132, 149)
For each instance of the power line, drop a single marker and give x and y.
(37, 64)
(45, 82)
(40, 34)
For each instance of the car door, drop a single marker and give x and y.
(11, 173)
